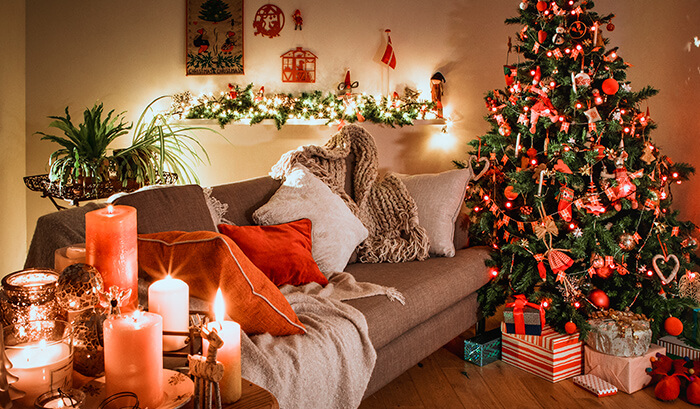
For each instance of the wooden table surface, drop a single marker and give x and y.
(254, 397)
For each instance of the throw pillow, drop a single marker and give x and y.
(281, 251)
(439, 197)
(207, 261)
(335, 230)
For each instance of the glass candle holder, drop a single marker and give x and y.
(30, 295)
(70, 398)
(41, 356)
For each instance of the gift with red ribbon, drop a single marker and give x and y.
(523, 317)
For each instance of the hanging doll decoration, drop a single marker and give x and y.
(625, 189)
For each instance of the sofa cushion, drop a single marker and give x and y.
(281, 251)
(335, 230)
(207, 261)
(438, 197)
(169, 208)
(429, 286)
(245, 197)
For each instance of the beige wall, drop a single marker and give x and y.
(127, 53)
(12, 142)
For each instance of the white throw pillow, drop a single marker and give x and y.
(335, 230)
(438, 197)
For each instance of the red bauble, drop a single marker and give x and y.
(600, 152)
(541, 36)
(509, 193)
(610, 86)
(542, 6)
(570, 327)
(610, 27)
(599, 299)
(673, 326)
(531, 153)
(604, 272)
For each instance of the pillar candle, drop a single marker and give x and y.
(40, 366)
(111, 244)
(229, 354)
(133, 349)
(170, 298)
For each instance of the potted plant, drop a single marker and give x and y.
(86, 163)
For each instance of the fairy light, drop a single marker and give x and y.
(577, 304)
(509, 205)
(545, 304)
(494, 272)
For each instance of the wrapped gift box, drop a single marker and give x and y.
(626, 373)
(483, 349)
(675, 348)
(552, 356)
(619, 333)
(529, 315)
(595, 385)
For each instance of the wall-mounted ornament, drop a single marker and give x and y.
(347, 85)
(269, 21)
(299, 65)
(298, 21)
(436, 90)
(214, 37)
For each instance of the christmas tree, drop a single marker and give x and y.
(575, 201)
(214, 11)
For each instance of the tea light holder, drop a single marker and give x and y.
(30, 295)
(70, 398)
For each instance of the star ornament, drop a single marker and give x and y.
(586, 170)
(660, 227)
(578, 233)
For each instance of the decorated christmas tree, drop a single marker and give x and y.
(576, 199)
(214, 11)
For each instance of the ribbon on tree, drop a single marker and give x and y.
(518, 308)
(540, 266)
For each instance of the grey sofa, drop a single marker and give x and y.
(441, 299)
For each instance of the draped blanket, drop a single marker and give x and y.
(382, 203)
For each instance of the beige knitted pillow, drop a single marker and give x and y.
(335, 230)
(438, 197)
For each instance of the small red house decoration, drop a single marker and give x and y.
(298, 65)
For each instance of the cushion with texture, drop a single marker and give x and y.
(439, 197)
(207, 261)
(335, 231)
(281, 251)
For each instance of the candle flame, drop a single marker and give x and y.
(110, 209)
(219, 306)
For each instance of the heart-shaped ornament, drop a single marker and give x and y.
(666, 279)
(486, 166)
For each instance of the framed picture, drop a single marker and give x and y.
(214, 37)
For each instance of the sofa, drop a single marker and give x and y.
(440, 292)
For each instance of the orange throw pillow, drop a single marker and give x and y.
(207, 261)
(281, 251)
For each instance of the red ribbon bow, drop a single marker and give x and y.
(518, 318)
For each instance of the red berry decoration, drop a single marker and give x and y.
(673, 326)
(570, 327)
(599, 299)
(610, 27)
(542, 6)
(610, 86)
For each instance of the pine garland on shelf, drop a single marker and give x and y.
(244, 104)
(576, 201)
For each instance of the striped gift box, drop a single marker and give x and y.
(678, 348)
(595, 385)
(551, 356)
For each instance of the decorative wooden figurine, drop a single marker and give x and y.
(436, 82)
(207, 372)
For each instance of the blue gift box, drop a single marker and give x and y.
(483, 349)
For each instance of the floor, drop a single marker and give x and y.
(438, 382)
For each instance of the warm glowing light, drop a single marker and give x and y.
(486, 198)
(691, 275)
(219, 306)
(572, 226)
(477, 208)
(663, 195)
(577, 304)
(533, 162)
(110, 209)
(566, 148)
(678, 182)
(650, 273)
(675, 175)
(552, 84)
(567, 50)
(532, 72)
(494, 272)
(579, 47)
(509, 205)
(664, 178)
(578, 105)
(526, 108)
(443, 140)
(545, 304)
(549, 53)
(627, 129)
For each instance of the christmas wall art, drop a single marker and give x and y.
(214, 37)
(299, 65)
(269, 21)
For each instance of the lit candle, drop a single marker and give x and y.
(170, 298)
(111, 245)
(517, 145)
(40, 366)
(230, 352)
(539, 188)
(133, 348)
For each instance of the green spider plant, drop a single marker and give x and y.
(158, 146)
(84, 148)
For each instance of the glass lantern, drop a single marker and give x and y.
(30, 295)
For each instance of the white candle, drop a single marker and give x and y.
(170, 298)
(134, 356)
(517, 145)
(539, 188)
(229, 354)
(40, 366)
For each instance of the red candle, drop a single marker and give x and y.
(111, 244)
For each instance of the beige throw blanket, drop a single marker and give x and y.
(328, 367)
(382, 203)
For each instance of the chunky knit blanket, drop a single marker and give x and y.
(382, 203)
